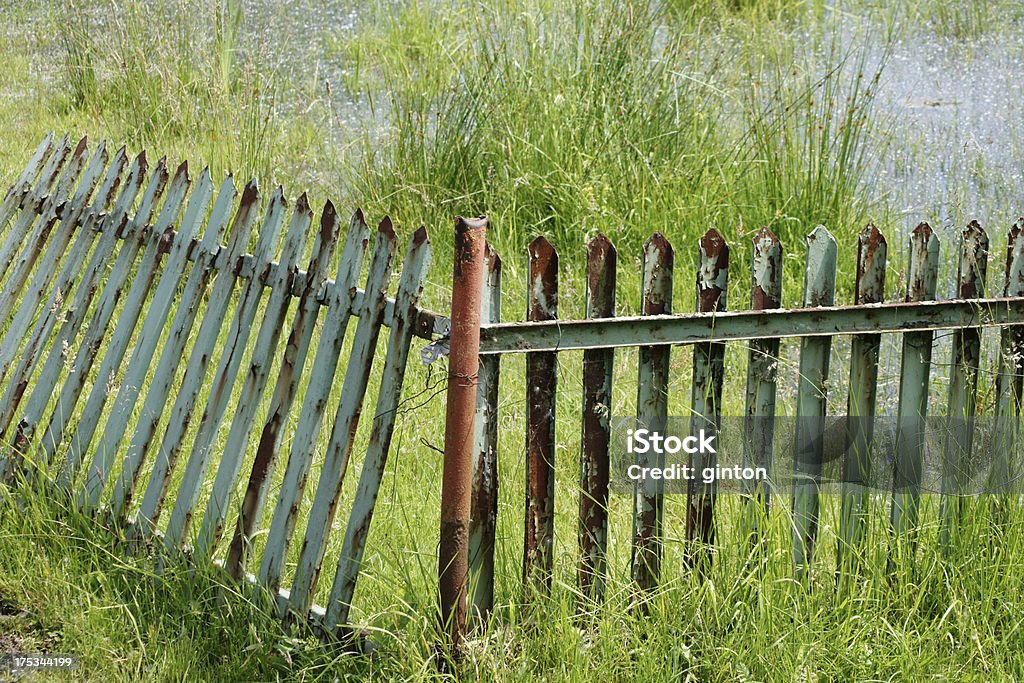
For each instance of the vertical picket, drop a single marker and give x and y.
(181, 412)
(128, 317)
(811, 402)
(870, 289)
(706, 401)
(963, 383)
(346, 420)
(541, 382)
(145, 346)
(762, 375)
(414, 275)
(1009, 382)
(292, 363)
(484, 510)
(913, 396)
(155, 402)
(340, 300)
(598, 366)
(255, 381)
(227, 370)
(652, 414)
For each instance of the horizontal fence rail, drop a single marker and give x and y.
(137, 331)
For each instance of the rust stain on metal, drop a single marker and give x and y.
(457, 480)
(541, 374)
(713, 271)
(870, 284)
(597, 408)
(767, 264)
(973, 260)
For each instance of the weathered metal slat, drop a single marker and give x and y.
(16, 194)
(1009, 378)
(812, 400)
(292, 363)
(173, 352)
(346, 420)
(484, 504)
(74, 315)
(321, 379)
(652, 413)
(861, 399)
(762, 376)
(706, 396)
(541, 383)
(915, 368)
(98, 473)
(70, 222)
(224, 379)
(106, 305)
(192, 381)
(49, 211)
(255, 382)
(30, 205)
(963, 383)
(127, 320)
(410, 286)
(595, 437)
(56, 283)
(693, 328)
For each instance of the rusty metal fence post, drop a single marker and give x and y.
(457, 483)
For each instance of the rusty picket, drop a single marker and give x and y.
(963, 382)
(762, 378)
(706, 394)
(915, 370)
(483, 516)
(541, 382)
(651, 412)
(468, 273)
(872, 250)
(598, 366)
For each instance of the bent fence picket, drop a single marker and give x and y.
(118, 279)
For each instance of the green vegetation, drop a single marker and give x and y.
(566, 119)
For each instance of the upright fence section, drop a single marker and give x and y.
(657, 330)
(140, 338)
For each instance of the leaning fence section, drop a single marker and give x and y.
(121, 281)
(916, 316)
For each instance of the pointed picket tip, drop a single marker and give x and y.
(922, 231)
(386, 228)
(974, 231)
(328, 222)
(205, 175)
(1014, 231)
(182, 171)
(713, 245)
(278, 197)
(493, 259)
(540, 245)
(820, 275)
(141, 161)
(420, 237)
(302, 204)
(83, 144)
(658, 242)
(250, 195)
(872, 249)
(764, 235)
(600, 247)
(357, 215)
